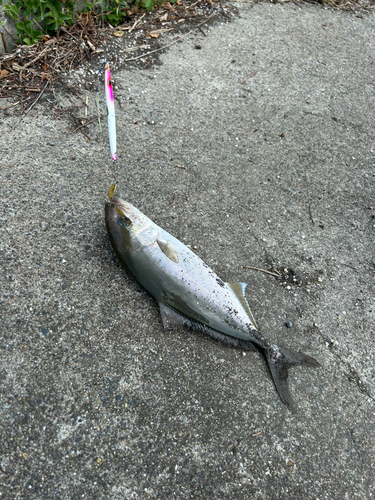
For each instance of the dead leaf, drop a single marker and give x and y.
(51, 41)
(118, 33)
(45, 38)
(154, 35)
(44, 67)
(3, 73)
(164, 17)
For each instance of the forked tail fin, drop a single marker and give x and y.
(279, 360)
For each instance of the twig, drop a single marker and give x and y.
(348, 265)
(65, 111)
(132, 49)
(7, 57)
(263, 271)
(15, 104)
(257, 434)
(136, 22)
(311, 217)
(85, 125)
(17, 67)
(4, 42)
(310, 214)
(252, 74)
(36, 59)
(169, 44)
(32, 105)
(181, 166)
(66, 31)
(9, 33)
(36, 90)
(74, 92)
(84, 133)
(174, 200)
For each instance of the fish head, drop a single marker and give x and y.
(124, 222)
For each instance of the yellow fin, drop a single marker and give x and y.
(168, 249)
(239, 289)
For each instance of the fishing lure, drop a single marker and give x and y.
(111, 112)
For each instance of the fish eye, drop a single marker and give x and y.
(125, 221)
(123, 218)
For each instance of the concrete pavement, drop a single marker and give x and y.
(273, 121)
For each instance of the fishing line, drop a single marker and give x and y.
(97, 97)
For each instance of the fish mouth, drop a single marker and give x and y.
(114, 202)
(117, 203)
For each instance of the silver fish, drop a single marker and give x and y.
(191, 294)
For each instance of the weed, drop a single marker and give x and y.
(37, 17)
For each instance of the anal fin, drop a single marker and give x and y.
(174, 320)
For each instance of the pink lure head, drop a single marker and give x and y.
(108, 83)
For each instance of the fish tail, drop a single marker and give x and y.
(279, 360)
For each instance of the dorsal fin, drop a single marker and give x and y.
(239, 289)
(168, 249)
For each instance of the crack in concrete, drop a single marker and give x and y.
(353, 375)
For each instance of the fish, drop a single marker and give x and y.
(111, 112)
(189, 293)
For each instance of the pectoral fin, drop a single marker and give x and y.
(239, 289)
(168, 250)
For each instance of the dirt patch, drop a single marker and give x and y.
(71, 61)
